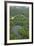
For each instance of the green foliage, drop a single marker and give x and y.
(21, 18)
(24, 33)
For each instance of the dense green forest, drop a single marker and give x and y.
(19, 22)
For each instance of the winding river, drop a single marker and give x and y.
(15, 29)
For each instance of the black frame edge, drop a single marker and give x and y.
(5, 19)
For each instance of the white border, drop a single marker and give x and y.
(30, 26)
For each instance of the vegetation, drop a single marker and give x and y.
(19, 16)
